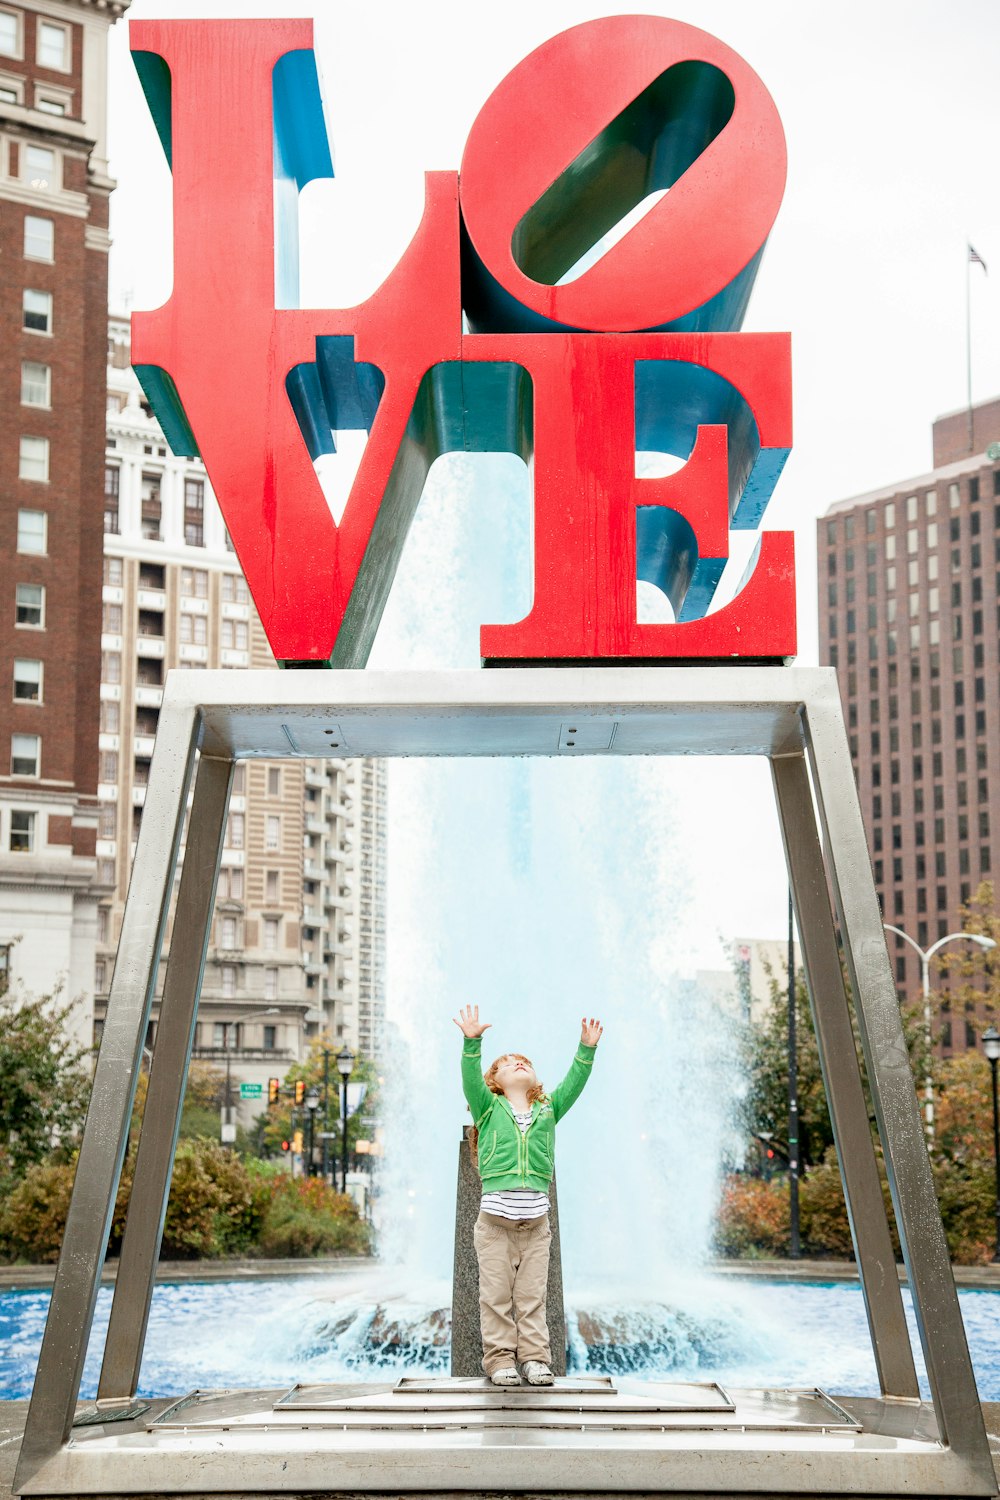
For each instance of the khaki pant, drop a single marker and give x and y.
(513, 1276)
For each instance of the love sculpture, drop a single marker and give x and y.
(639, 352)
(576, 364)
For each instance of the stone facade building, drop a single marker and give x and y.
(292, 950)
(54, 189)
(909, 614)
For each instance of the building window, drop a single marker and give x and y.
(151, 507)
(25, 755)
(114, 572)
(194, 512)
(32, 532)
(273, 887)
(112, 482)
(194, 583)
(22, 832)
(274, 781)
(270, 1038)
(111, 667)
(109, 766)
(227, 932)
(36, 384)
(33, 460)
(110, 723)
(234, 589)
(10, 34)
(228, 981)
(235, 635)
(36, 311)
(38, 167)
(48, 104)
(235, 831)
(39, 238)
(270, 934)
(270, 984)
(29, 605)
(272, 837)
(53, 49)
(193, 630)
(112, 621)
(28, 681)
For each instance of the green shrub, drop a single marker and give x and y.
(753, 1217)
(33, 1213)
(823, 1219)
(306, 1217)
(967, 1199)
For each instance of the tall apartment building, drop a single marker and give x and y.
(285, 959)
(909, 612)
(54, 189)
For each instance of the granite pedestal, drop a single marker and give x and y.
(466, 1339)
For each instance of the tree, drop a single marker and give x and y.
(765, 1063)
(974, 972)
(44, 1081)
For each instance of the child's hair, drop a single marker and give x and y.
(535, 1093)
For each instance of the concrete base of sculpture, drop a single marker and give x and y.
(466, 1340)
(583, 1436)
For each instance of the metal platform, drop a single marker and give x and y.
(432, 1436)
(584, 1435)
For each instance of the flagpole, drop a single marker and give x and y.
(968, 336)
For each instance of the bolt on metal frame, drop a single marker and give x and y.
(792, 716)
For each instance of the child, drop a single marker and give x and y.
(515, 1129)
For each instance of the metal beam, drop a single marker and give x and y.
(558, 711)
(842, 1079)
(167, 1077)
(918, 1219)
(105, 1136)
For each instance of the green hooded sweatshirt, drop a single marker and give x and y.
(508, 1157)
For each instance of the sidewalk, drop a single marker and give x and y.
(30, 1278)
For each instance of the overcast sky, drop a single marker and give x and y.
(892, 120)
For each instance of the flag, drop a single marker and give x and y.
(975, 259)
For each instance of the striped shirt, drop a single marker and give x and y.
(516, 1203)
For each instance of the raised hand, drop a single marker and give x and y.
(470, 1023)
(590, 1032)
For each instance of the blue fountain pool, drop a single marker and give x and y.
(273, 1333)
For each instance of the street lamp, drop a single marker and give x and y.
(345, 1067)
(312, 1105)
(229, 1126)
(925, 976)
(991, 1046)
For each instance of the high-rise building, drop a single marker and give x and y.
(909, 610)
(301, 870)
(54, 189)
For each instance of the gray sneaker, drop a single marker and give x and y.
(506, 1376)
(535, 1373)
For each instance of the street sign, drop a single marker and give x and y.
(251, 1091)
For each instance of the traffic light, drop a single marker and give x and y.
(297, 1143)
(273, 1090)
(286, 1145)
(300, 1090)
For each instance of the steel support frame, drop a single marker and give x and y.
(793, 717)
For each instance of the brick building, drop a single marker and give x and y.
(54, 190)
(909, 614)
